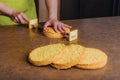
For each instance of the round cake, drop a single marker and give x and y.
(49, 32)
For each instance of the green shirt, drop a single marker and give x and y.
(25, 6)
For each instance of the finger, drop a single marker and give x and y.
(46, 25)
(16, 19)
(15, 16)
(60, 28)
(67, 26)
(55, 27)
(21, 20)
(25, 18)
(63, 28)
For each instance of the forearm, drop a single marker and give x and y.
(5, 9)
(52, 8)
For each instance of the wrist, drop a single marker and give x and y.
(9, 12)
(53, 17)
(14, 13)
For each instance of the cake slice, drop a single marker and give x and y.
(43, 55)
(68, 57)
(93, 59)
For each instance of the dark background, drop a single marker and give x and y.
(37, 6)
(78, 9)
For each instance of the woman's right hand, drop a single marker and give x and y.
(16, 16)
(19, 17)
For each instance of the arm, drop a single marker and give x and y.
(5, 9)
(16, 16)
(52, 6)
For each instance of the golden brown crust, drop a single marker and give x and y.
(57, 66)
(36, 55)
(88, 63)
(92, 66)
(68, 56)
(40, 63)
(71, 60)
(49, 32)
(65, 66)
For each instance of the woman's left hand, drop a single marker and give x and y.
(57, 25)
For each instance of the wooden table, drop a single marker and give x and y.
(16, 42)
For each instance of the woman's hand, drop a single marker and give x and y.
(52, 6)
(19, 17)
(57, 25)
(16, 16)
